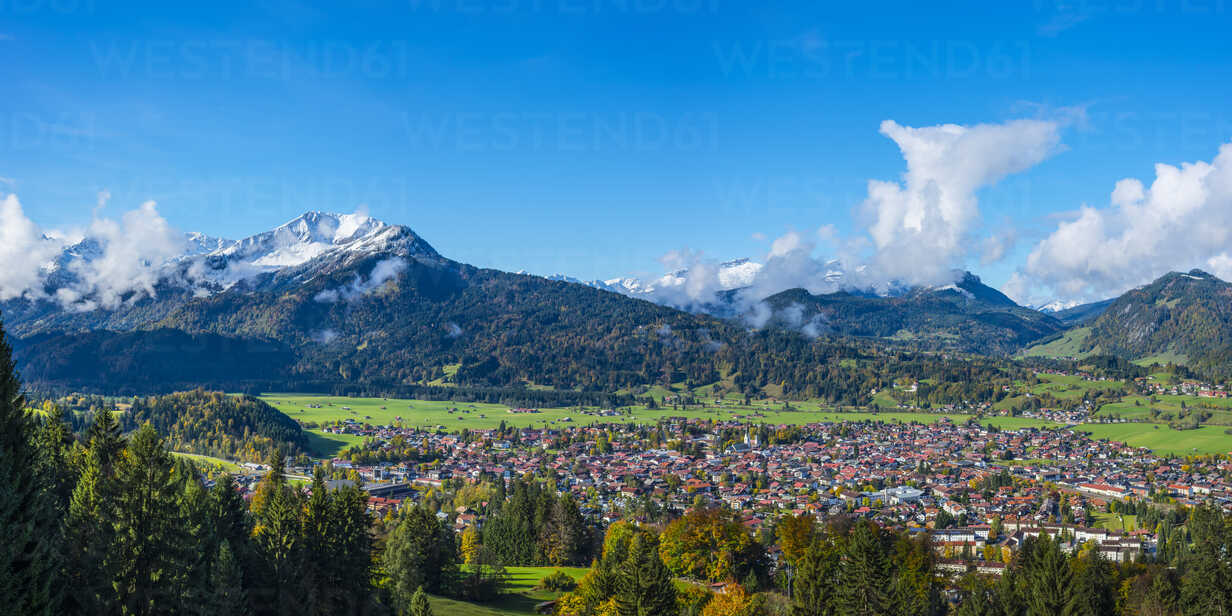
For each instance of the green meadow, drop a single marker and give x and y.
(520, 598)
(1164, 440)
(456, 416)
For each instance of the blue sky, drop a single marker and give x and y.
(591, 136)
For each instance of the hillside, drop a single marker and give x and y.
(1181, 317)
(215, 424)
(968, 316)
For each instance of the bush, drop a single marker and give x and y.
(558, 581)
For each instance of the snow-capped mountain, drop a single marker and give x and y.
(312, 243)
(1057, 306)
(314, 236)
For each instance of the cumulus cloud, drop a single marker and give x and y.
(919, 230)
(132, 252)
(920, 227)
(24, 252)
(1183, 220)
(383, 272)
(108, 262)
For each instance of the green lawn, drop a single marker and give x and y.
(1113, 521)
(1164, 440)
(324, 445)
(225, 465)
(520, 600)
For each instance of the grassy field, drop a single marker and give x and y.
(1067, 346)
(225, 465)
(1060, 386)
(520, 600)
(455, 416)
(1139, 407)
(1117, 522)
(1162, 439)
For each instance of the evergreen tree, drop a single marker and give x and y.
(1048, 578)
(88, 535)
(420, 552)
(815, 578)
(865, 576)
(28, 551)
(149, 556)
(419, 604)
(1095, 586)
(644, 585)
(226, 596)
(1206, 584)
(278, 541)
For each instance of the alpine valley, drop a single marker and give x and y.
(346, 303)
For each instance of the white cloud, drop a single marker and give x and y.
(23, 252)
(1183, 220)
(921, 226)
(382, 272)
(918, 231)
(126, 263)
(133, 251)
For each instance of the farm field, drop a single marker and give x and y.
(455, 416)
(520, 600)
(1164, 440)
(1139, 407)
(1062, 387)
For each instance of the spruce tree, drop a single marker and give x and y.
(865, 576)
(644, 585)
(813, 583)
(278, 540)
(150, 555)
(227, 596)
(29, 547)
(419, 604)
(1095, 586)
(88, 535)
(1049, 579)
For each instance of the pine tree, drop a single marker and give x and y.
(278, 541)
(1048, 579)
(227, 596)
(1095, 586)
(643, 584)
(865, 576)
(419, 604)
(27, 524)
(149, 557)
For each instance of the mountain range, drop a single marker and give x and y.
(328, 300)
